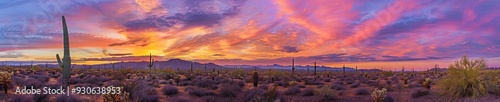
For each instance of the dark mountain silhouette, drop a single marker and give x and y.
(172, 63)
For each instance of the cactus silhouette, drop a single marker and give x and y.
(343, 70)
(151, 62)
(403, 70)
(255, 77)
(293, 67)
(314, 68)
(66, 61)
(356, 69)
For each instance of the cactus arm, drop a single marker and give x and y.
(59, 60)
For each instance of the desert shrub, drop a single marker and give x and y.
(292, 90)
(167, 73)
(213, 87)
(281, 83)
(387, 73)
(388, 82)
(200, 92)
(301, 86)
(84, 85)
(415, 84)
(388, 99)
(170, 90)
(355, 85)
(40, 97)
(293, 83)
(70, 98)
(313, 83)
(21, 98)
(491, 81)
(176, 99)
(203, 83)
(229, 89)
(339, 82)
(254, 95)
(464, 79)
(308, 92)
(241, 83)
(325, 93)
(96, 80)
(115, 83)
(235, 73)
(337, 87)
(30, 82)
(361, 91)
(264, 86)
(349, 81)
(272, 95)
(147, 94)
(274, 73)
(388, 87)
(166, 82)
(185, 83)
(41, 78)
(74, 81)
(418, 92)
(133, 87)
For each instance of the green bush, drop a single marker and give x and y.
(235, 73)
(490, 82)
(387, 73)
(464, 79)
(274, 73)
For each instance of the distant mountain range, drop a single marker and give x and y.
(172, 63)
(186, 65)
(289, 67)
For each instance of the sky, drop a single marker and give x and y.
(388, 34)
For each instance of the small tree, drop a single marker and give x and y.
(464, 79)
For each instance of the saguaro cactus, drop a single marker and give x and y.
(343, 70)
(66, 61)
(293, 67)
(191, 68)
(151, 62)
(436, 69)
(255, 77)
(356, 69)
(314, 68)
(402, 69)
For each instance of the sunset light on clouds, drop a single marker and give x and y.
(385, 34)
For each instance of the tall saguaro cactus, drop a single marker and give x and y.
(66, 61)
(343, 70)
(356, 69)
(151, 62)
(403, 69)
(314, 68)
(293, 67)
(191, 69)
